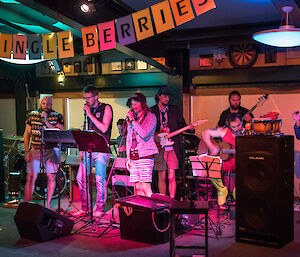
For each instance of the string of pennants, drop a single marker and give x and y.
(103, 36)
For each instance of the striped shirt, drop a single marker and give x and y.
(35, 121)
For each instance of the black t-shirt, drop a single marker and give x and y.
(222, 121)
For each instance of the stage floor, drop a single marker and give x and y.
(87, 243)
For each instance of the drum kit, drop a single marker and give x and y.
(266, 126)
(15, 173)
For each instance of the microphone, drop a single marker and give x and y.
(84, 123)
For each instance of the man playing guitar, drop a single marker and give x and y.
(169, 119)
(234, 128)
(235, 107)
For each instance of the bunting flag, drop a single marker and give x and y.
(19, 46)
(65, 44)
(202, 6)
(90, 40)
(49, 46)
(5, 45)
(34, 46)
(143, 24)
(107, 35)
(162, 16)
(125, 30)
(182, 11)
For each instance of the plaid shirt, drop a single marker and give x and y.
(144, 136)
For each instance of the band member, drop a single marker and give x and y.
(121, 139)
(234, 128)
(169, 119)
(99, 119)
(235, 107)
(39, 119)
(296, 117)
(140, 145)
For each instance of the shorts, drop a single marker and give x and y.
(141, 170)
(50, 160)
(166, 159)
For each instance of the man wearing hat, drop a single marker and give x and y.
(38, 120)
(169, 119)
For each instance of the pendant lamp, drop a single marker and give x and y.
(286, 36)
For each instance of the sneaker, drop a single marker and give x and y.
(222, 194)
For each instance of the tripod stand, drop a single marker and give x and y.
(89, 141)
(208, 167)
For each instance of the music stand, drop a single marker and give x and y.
(61, 139)
(90, 141)
(207, 166)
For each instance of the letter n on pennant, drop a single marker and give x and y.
(19, 46)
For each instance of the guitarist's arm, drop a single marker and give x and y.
(208, 134)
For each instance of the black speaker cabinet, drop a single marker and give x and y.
(265, 182)
(2, 177)
(38, 223)
(144, 219)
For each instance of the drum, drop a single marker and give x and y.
(41, 184)
(276, 126)
(262, 125)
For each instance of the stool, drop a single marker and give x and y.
(188, 207)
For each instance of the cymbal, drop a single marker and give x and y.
(14, 138)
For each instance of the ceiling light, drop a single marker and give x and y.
(61, 78)
(286, 36)
(87, 6)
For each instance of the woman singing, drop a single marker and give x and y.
(140, 145)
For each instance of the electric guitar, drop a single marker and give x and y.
(162, 137)
(260, 102)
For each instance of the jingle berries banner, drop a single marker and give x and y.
(126, 30)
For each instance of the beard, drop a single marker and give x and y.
(235, 107)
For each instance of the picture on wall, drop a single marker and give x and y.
(270, 54)
(141, 65)
(206, 60)
(116, 66)
(129, 64)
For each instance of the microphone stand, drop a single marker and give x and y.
(112, 223)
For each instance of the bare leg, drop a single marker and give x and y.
(50, 187)
(172, 183)
(147, 191)
(29, 187)
(162, 182)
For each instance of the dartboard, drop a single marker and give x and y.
(243, 55)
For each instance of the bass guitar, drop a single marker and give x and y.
(260, 102)
(162, 138)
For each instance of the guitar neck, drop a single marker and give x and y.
(250, 111)
(175, 133)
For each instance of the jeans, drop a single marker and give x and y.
(99, 160)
